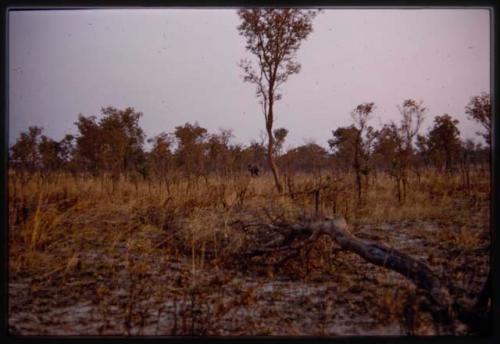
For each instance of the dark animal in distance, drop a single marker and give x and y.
(254, 170)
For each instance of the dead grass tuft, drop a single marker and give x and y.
(168, 261)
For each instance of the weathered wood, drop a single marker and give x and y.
(416, 271)
(477, 314)
(443, 308)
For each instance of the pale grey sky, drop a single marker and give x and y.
(180, 65)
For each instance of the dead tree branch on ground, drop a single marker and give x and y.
(442, 306)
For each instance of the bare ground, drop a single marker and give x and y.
(128, 269)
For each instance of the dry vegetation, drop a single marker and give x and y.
(85, 259)
(108, 238)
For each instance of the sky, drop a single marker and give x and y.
(181, 65)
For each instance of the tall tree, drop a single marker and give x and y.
(122, 139)
(479, 110)
(466, 160)
(273, 36)
(66, 149)
(219, 155)
(49, 154)
(386, 149)
(310, 158)
(423, 150)
(412, 113)
(161, 157)
(390, 153)
(353, 145)
(444, 141)
(88, 144)
(362, 144)
(191, 145)
(342, 146)
(25, 153)
(114, 144)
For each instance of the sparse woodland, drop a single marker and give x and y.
(385, 231)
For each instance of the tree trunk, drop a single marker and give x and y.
(359, 186)
(476, 314)
(270, 146)
(389, 258)
(357, 168)
(274, 168)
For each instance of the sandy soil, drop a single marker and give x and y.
(137, 284)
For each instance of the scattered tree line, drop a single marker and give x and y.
(114, 146)
(400, 150)
(273, 37)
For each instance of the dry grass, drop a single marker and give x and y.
(165, 262)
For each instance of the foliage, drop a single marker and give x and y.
(479, 110)
(191, 139)
(112, 145)
(309, 158)
(279, 139)
(25, 155)
(273, 37)
(444, 141)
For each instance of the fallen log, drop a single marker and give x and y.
(477, 314)
(443, 308)
(416, 271)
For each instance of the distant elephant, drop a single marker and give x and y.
(254, 170)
